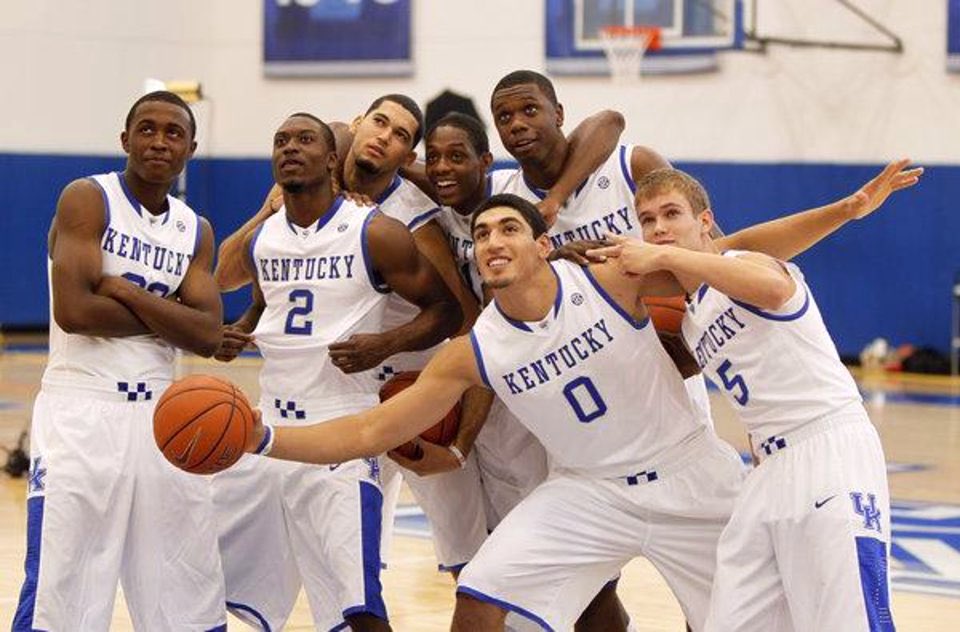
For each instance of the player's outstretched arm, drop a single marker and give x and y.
(77, 268)
(193, 322)
(411, 275)
(399, 419)
(230, 273)
(591, 143)
(787, 237)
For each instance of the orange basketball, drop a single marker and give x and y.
(443, 433)
(201, 424)
(666, 312)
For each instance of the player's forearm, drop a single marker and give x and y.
(739, 279)
(475, 406)
(430, 327)
(182, 326)
(787, 237)
(96, 315)
(590, 145)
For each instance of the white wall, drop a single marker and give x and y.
(71, 68)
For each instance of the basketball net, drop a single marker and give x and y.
(625, 46)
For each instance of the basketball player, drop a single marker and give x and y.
(807, 546)
(564, 347)
(130, 282)
(323, 268)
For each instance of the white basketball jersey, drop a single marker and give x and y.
(602, 204)
(320, 287)
(406, 203)
(592, 384)
(152, 251)
(779, 370)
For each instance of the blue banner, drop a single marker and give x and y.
(337, 38)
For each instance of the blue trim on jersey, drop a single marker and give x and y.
(479, 356)
(540, 193)
(422, 219)
(376, 281)
(777, 317)
(479, 596)
(233, 605)
(196, 240)
(636, 324)
(23, 619)
(123, 187)
(872, 556)
(340, 626)
(220, 628)
(166, 215)
(326, 217)
(106, 204)
(559, 297)
(390, 189)
(519, 324)
(489, 186)
(371, 520)
(625, 168)
(700, 292)
(253, 246)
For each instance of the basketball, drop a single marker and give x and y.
(201, 424)
(442, 433)
(666, 312)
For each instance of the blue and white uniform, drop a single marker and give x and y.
(103, 504)
(807, 546)
(632, 470)
(602, 204)
(283, 523)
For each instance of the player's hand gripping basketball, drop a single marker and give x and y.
(433, 459)
(873, 194)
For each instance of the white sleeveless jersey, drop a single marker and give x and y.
(406, 203)
(602, 204)
(592, 384)
(779, 370)
(320, 287)
(153, 251)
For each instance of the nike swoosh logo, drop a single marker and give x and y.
(184, 456)
(820, 503)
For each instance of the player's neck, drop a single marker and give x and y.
(305, 207)
(151, 196)
(529, 300)
(479, 195)
(359, 181)
(544, 173)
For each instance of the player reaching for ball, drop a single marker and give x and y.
(130, 281)
(816, 558)
(323, 268)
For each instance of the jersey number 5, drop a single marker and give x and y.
(734, 382)
(302, 306)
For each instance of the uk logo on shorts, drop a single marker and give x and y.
(35, 484)
(868, 511)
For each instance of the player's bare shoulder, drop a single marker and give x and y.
(643, 160)
(81, 210)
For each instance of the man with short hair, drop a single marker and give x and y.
(130, 283)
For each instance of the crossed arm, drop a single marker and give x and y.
(88, 303)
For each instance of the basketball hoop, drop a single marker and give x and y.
(625, 46)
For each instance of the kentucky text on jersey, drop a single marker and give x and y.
(617, 223)
(133, 248)
(564, 358)
(717, 334)
(306, 269)
(462, 247)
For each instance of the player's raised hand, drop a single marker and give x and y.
(579, 252)
(434, 459)
(873, 194)
(358, 198)
(233, 342)
(549, 208)
(360, 352)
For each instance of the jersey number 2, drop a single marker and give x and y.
(585, 399)
(302, 306)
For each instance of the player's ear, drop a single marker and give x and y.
(355, 123)
(706, 222)
(544, 246)
(125, 141)
(486, 159)
(410, 158)
(559, 115)
(332, 161)
(193, 148)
